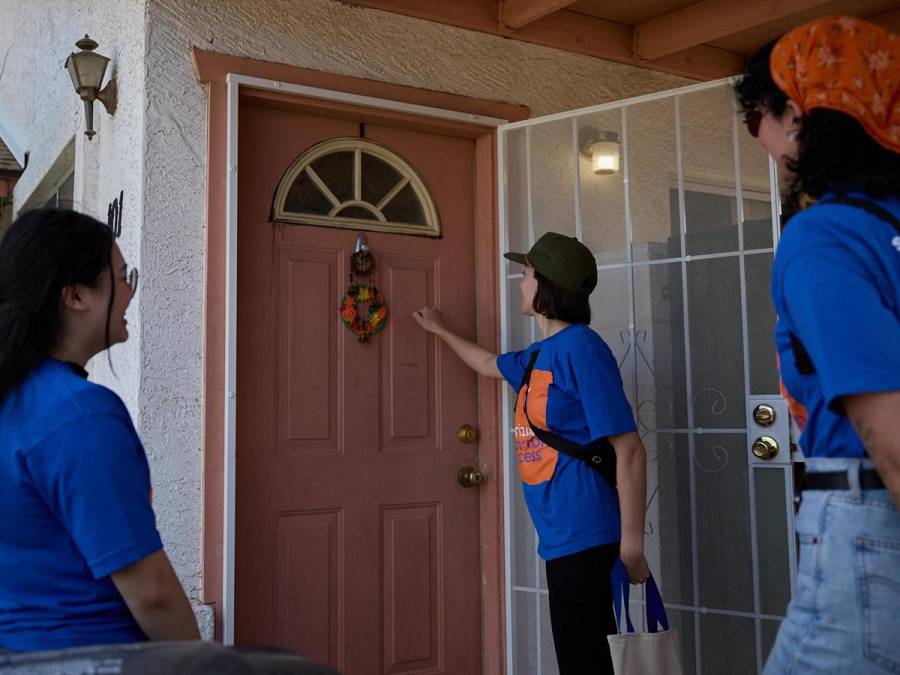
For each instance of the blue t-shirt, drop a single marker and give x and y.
(836, 286)
(74, 508)
(576, 392)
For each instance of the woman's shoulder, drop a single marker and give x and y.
(582, 341)
(832, 215)
(54, 397)
(833, 224)
(815, 222)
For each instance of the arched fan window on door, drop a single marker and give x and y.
(357, 184)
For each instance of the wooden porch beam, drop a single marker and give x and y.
(570, 32)
(481, 17)
(889, 20)
(517, 13)
(707, 21)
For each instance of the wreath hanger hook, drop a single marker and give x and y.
(361, 262)
(362, 244)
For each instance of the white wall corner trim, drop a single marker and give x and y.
(13, 136)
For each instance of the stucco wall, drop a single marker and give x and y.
(37, 94)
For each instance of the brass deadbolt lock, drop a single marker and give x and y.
(468, 434)
(765, 447)
(764, 415)
(469, 476)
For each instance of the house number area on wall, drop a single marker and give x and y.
(114, 214)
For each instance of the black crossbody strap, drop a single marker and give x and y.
(802, 359)
(875, 209)
(599, 455)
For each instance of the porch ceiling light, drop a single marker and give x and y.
(86, 68)
(602, 148)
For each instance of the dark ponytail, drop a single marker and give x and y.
(42, 252)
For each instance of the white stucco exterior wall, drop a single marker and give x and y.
(37, 94)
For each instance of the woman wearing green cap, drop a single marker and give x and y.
(569, 385)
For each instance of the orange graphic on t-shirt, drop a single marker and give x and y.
(537, 461)
(798, 410)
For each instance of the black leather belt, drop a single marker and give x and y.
(837, 480)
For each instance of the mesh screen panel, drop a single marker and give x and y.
(602, 198)
(773, 542)
(761, 313)
(659, 347)
(723, 522)
(728, 645)
(717, 365)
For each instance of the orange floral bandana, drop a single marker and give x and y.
(845, 64)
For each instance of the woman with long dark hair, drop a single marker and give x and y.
(81, 561)
(824, 101)
(581, 461)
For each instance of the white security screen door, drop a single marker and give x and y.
(684, 234)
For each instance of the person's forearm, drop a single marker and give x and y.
(479, 359)
(156, 599)
(876, 418)
(171, 619)
(631, 479)
(884, 451)
(889, 469)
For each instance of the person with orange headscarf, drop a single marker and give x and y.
(824, 101)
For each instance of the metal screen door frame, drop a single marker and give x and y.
(630, 264)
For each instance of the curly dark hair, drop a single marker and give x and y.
(835, 154)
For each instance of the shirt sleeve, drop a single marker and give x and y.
(93, 474)
(834, 308)
(602, 395)
(512, 366)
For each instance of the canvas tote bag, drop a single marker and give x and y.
(653, 653)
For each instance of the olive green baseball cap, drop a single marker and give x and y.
(563, 260)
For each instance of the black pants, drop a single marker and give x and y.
(581, 610)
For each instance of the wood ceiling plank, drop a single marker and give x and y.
(632, 12)
(572, 32)
(750, 40)
(709, 20)
(613, 41)
(518, 13)
(474, 16)
(889, 20)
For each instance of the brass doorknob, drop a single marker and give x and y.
(469, 476)
(764, 415)
(468, 433)
(765, 447)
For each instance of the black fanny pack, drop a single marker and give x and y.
(599, 454)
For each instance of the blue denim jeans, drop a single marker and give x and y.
(845, 613)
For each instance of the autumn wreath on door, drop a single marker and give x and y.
(363, 299)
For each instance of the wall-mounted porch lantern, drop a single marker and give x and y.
(602, 148)
(86, 69)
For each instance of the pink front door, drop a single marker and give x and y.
(355, 545)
